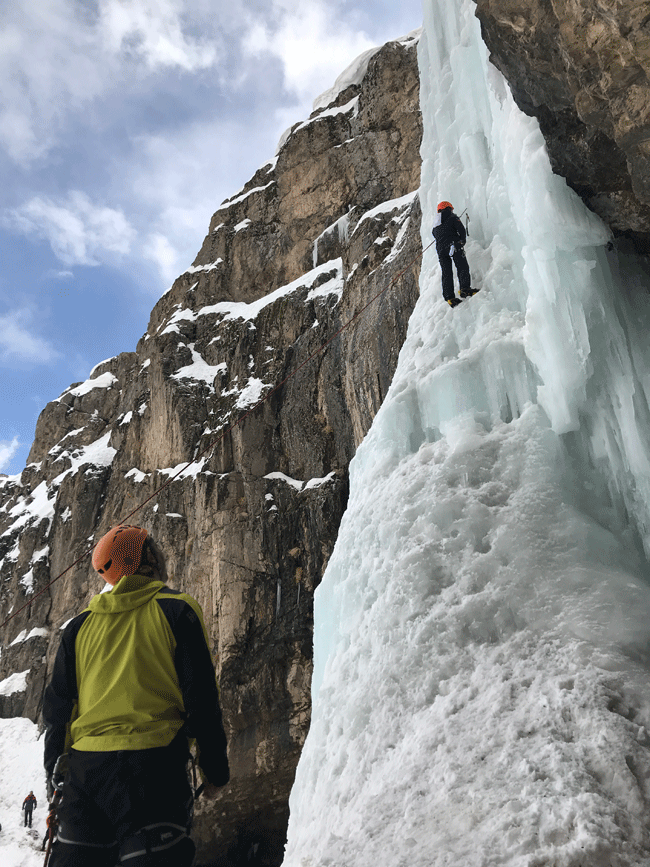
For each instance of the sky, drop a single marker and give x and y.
(123, 126)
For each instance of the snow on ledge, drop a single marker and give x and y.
(106, 380)
(298, 484)
(97, 454)
(186, 470)
(36, 505)
(248, 311)
(294, 483)
(251, 393)
(355, 72)
(231, 310)
(37, 632)
(99, 364)
(14, 683)
(211, 266)
(351, 106)
(237, 199)
(386, 207)
(136, 474)
(316, 483)
(199, 370)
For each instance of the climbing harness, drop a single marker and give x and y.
(226, 431)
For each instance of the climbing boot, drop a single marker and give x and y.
(467, 293)
(453, 302)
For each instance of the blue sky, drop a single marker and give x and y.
(123, 125)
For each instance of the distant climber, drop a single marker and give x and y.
(28, 808)
(450, 236)
(134, 678)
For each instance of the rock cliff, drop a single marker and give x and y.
(582, 68)
(249, 515)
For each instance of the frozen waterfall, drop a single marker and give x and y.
(481, 687)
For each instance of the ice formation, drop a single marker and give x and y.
(481, 686)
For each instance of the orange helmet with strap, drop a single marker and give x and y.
(443, 205)
(119, 552)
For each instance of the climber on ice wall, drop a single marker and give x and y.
(450, 236)
(133, 680)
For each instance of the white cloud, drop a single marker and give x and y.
(47, 61)
(58, 56)
(312, 44)
(17, 342)
(153, 30)
(180, 180)
(7, 451)
(79, 232)
(167, 259)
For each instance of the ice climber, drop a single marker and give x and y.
(28, 808)
(450, 236)
(133, 680)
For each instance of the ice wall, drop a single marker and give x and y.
(481, 687)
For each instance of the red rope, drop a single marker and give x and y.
(231, 427)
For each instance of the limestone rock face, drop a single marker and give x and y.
(245, 500)
(582, 67)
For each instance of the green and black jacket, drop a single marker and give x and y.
(131, 671)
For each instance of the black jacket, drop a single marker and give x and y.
(189, 671)
(448, 230)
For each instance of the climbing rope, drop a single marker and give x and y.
(225, 432)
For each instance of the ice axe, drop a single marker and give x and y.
(466, 220)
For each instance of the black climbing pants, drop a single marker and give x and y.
(132, 807)
(462, 268)
(28, 816)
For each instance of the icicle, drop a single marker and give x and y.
(277, 600)
(343, 226)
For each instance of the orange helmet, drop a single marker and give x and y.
(443, 205)
(119, 552)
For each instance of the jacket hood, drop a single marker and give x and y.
(130, 592)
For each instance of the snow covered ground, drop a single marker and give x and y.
(21, 770)
(482, 665)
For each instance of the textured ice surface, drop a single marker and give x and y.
(481, 687)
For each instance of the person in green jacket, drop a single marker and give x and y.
(132, 681)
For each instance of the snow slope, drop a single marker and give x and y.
(21, 770)
(481, 687)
